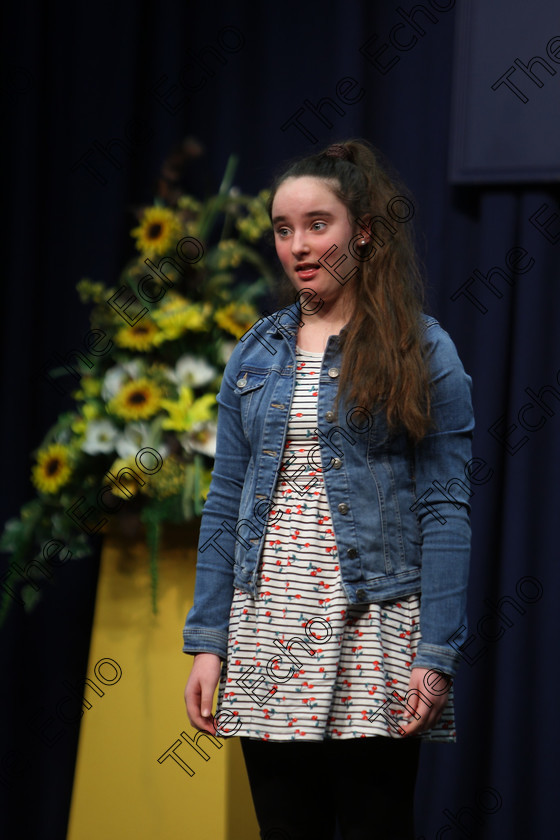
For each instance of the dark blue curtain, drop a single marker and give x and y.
(96, 97)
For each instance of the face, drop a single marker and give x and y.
(308, 219)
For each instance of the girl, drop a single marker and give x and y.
(330, 597)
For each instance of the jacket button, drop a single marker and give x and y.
(329, 416)
(336, 463)
(352, 552)
(343, 508)
(241, 382)
(361, 594)
(333, 372)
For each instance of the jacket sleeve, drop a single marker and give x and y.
(443, 506)
(206, 626)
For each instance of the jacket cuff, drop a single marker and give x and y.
(437, 658)
(204, 640)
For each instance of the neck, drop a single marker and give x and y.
(319, 326)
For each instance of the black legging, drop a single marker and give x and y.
(299, 789)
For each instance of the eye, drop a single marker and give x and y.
(282, 232)
(318, 225)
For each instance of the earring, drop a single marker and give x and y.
(363, 242)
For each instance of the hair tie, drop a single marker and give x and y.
(337, 150)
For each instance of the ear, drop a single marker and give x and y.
(362, 227)
(361, 245)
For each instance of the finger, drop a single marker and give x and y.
(207, 696)
(426, 721)
(192, 699)
(413, 728)
(411, 709)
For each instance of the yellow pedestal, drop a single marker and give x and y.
(135, 714)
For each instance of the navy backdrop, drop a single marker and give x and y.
(96, 96)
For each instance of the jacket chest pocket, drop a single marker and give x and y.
(250, 387)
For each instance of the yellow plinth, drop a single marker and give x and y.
(134, 714)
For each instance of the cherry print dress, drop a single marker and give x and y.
(304, 663)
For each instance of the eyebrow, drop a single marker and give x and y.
(311, 213)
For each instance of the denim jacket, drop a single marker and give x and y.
(400, 513)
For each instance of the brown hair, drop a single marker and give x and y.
(383, 366)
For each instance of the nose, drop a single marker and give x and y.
(299, 243)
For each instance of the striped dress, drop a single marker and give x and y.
(303, 663)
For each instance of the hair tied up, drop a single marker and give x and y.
(337, 150)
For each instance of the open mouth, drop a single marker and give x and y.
(307, 270)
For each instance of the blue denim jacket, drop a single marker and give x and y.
(400, 513)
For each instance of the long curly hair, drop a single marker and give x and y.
(383, 366)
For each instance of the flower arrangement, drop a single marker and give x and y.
(142, 434)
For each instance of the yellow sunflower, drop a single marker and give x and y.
(141, 336)
(137, 400)
(158, 232)
(236, 318)
(52, 469)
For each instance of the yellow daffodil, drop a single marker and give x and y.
(139, 399)
(158, 232)
(236, 318)
(139, 337)
(53, 469)
(187, 412)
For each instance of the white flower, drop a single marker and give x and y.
(192, 372)
(204, 440)
(135, 437)
(116, 376)
(226, 349)
(100, 437)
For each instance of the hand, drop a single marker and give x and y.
(435, 689)
(199, 691)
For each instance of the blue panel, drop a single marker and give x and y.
(506, 92)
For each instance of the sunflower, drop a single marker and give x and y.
(236, 318)
(140, 337)
(158, 231)
(52, 469)
(137, 400)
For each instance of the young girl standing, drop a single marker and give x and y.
(330, 597)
